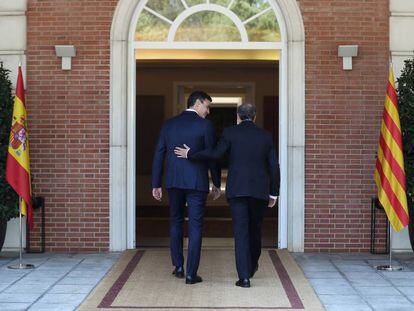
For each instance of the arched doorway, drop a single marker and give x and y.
(290, 43)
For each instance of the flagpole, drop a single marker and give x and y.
(390, 235)
(21, 265)
(389, 267)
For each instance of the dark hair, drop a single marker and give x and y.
(246, 111)
(197, 95)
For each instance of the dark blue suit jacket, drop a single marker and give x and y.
(253, 166)
(186, 128)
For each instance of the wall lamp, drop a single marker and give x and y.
(66, 52)
(347, 52)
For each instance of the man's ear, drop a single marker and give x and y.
(197, 102)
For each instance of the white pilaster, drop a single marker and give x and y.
(402, 48)
(13, 52)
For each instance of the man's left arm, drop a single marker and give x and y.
(158, 165)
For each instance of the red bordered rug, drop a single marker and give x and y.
(142, 280)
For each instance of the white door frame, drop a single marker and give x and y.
(122, 125)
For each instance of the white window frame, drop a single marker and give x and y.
(170, 43)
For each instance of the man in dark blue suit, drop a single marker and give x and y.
(186, 182)
(252, 184)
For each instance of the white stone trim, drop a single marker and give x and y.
(402, 14)
(15, 5)
(403, 53)
(12, 13)
(401, 5)
(12, 52)
(131, 149)
(118, 128)
(209, 45)
(295, 157)
(13, 30)
(292, 90)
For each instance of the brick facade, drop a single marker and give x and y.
(69, 120)
(343, 114)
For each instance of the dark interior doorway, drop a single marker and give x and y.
(155, 103)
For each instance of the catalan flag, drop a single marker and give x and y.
(389, 172)
(18, 162)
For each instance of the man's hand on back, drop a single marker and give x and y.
(182, 152)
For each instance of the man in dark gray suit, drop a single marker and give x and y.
(252, 184)
(186, 182)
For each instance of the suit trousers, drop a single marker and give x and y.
(196, 201)
(247, 214)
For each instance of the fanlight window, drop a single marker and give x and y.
(207, 21)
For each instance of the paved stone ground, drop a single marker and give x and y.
(59, 282)
(343, 282)
(349, 282)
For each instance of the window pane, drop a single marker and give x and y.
(207, 26)
(168, 8)
(194, 2)
(224, 3)
(264, 28)
(151, 28)
(247, 8)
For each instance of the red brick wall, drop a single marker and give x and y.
(69, 120)
(343, 112)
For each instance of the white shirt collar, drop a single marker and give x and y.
(191, 109)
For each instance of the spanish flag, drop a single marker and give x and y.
(18, 162)
(389, 172)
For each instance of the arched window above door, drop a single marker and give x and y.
(234, 21)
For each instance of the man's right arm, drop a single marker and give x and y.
(274, 171)
(274, 174)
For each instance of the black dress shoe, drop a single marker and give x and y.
(193, 279)
(254, 270)
(178, 272)
(243, 283)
